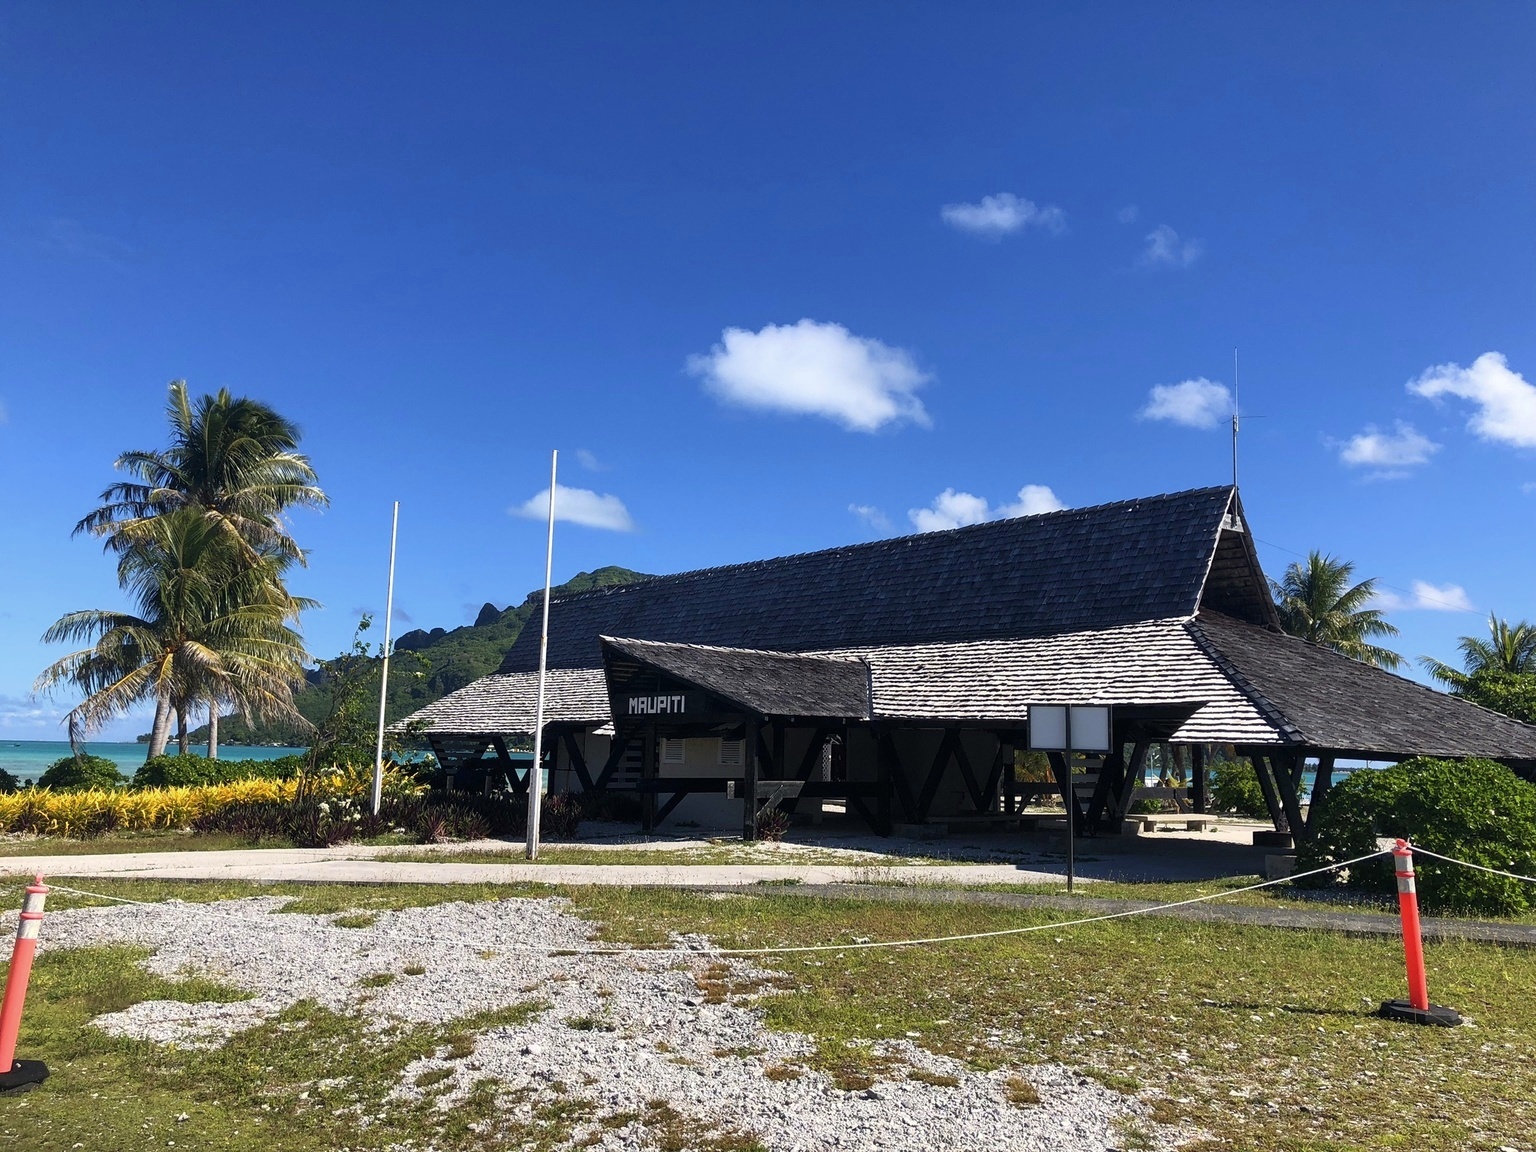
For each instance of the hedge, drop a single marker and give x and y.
(1474, 810)
(96, 811)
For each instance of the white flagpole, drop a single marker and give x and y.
(536, 772)
(389, 607)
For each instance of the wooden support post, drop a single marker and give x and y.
(1286, 771)
(1003, 755)
(885, 767)
(1320, 787)
(1179, 753)
(648, 772)
(578, 761)
(1135, 773)
(618, 744)
(1197, 783)
(749, 781)
(897, 781)
(1267, 786)
(968, 774)
(1109, 779)
(935, 774)
(1061, 767)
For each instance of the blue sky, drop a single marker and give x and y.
(773, 277)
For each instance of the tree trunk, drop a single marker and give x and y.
(181, 730)
(213, 730)
(161, 732)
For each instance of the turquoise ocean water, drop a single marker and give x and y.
(26, 759)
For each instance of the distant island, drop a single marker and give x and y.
(455, 657)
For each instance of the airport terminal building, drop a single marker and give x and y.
(895, 678)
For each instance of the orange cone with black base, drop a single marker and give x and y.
(20, 1075)
(1416, 1009)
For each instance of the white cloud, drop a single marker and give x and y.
(872, 516)
(1425, 597)
(952, 509)
(27, 712)
(815, 369)
(588, 461)
(1506, 400)
(1003, 214)
(1128, 214)
(1033, 500)
(1404, 448)
(1165, 249)
(578, 506)
(1198, 403)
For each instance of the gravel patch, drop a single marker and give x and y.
(620, 1032)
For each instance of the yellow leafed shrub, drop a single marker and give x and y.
(84, 814)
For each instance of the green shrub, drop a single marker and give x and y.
(79, 773)
(1235, 788)
(8, 783)
(1474, 810)
(1512, 693)
(174, 770)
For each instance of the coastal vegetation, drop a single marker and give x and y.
(1474, 810)
(429, 664)
(79, 773)
(1498, 673)
(1317, 602)
(202, 554)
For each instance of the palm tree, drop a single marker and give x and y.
(234, 458)
(1317, 602)
(233, 462)
(1508, 649)
(210, 623)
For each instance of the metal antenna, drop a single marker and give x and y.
(1234, 417)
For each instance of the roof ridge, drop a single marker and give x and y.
(731, 649)
(884, 542)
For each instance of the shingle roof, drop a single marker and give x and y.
(1151, 663)
(770, 683)
(1070, 571)
(505, 703)
(1324, 700)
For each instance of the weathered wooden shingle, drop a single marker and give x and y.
(770, 683)
(1070, 571)
(505, 703)
(1152, 663)
(1321, 699)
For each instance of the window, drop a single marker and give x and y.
(673, 751)
(732, 752)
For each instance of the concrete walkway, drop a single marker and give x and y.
(364, 866)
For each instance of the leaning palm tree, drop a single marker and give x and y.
(1510, 648)
(234, 458)
(209, 622)
(1317, 602)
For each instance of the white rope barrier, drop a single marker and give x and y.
(866, 945)
(786, 949)
(1468, 864)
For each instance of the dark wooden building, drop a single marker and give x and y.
(897, 675)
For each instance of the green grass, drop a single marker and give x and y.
(1266, 1038)
(118, 842)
